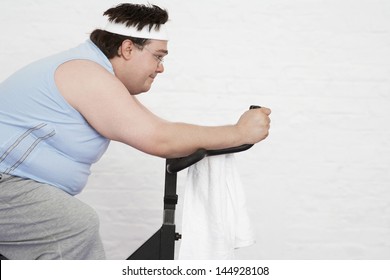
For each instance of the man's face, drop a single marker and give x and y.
(145, 64)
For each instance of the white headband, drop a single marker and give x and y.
(132, 31)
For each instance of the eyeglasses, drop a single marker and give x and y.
(159, 58)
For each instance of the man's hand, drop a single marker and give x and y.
(254, 125)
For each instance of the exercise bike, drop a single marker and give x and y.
(161, 245)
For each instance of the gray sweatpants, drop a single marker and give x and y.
(39, 221)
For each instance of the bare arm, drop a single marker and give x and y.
(109, 108)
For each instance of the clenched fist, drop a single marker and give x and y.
(254, 125)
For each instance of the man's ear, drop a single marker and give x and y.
(126, 49)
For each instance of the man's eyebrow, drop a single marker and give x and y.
(163, 51)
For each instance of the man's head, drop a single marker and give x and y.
(129, 41)
(132, 15)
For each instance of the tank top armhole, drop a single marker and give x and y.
(57, 93)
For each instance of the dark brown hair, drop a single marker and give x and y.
(136, 15)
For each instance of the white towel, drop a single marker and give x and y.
(215, 217)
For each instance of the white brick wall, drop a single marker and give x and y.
(319, 186)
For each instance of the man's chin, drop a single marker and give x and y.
(146, 89)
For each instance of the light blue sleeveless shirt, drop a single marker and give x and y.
(42, 137)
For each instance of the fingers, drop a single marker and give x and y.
(265, 110)
(266, 121)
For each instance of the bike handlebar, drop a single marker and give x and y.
(179, 164)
